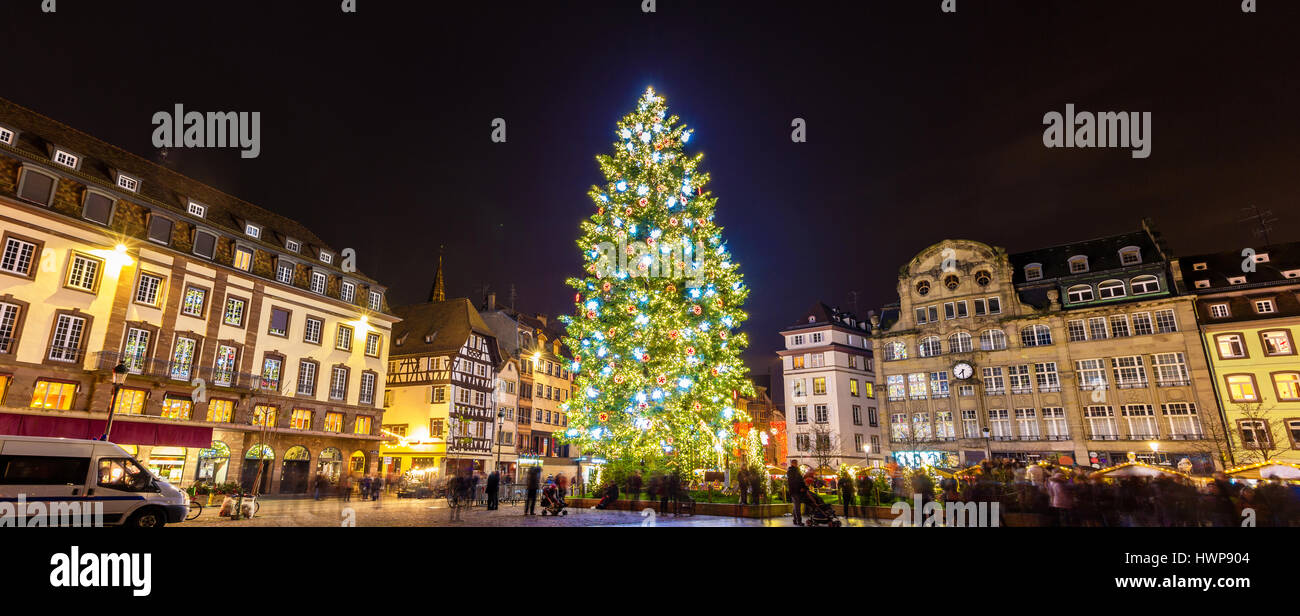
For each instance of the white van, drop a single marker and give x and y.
(81, 478)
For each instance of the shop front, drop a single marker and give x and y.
(330, 464)
(213, 464)
(258, 461)
(167, 463)
(295, 470)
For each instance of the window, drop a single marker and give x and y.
(6, 136)
(234, 314)
(1130, 255)
(993, 340)
(67, 159)
(1277, 342)
(853, 388)
(326, 257)
(36, 187)
(53, 395)
(1034, 271)
(367, 394)
(1255, 434)
(1101, 423)
(898, 428)
(939, 384)
(176, 407)
(127, 182)
(223, 369)
(857, 415)
(819, 386)
(1241, 387)
(1165, 322)
(361, 425)
(1220, 311)
(253, 230)
(816, 337)
(243, 258)
(194, 301)
(123, 474)
(1027, 424)
(1141, 419)
(265, 415)
(796, 340)
(960, 342)
(1145, 284)
(1036, 335)
(970, 423)
(993, 383)
(1170, 369)
(66, 342)
(896, 387)
(1075, 330)
(1111, 289)
(1265, 306)
(1097, 328)
(801, 414)
(999, 424)
(1202, 284)
(1057, 428)
(279, 322)
(1287, 385)
(130, 401)
(921, 426)
(205, 244)
(797, 362)
(870, 388)
(284, 272)
(300, 419)
(1231, 346)
(1019, 378)
(1091, 373)
(18, 258)
(8, 330)
(1119, 326)
(1079, 293)
(1078, 264)
(306, 378)
(348, 292)
(97, 207)
(916, 385)
(183, 358)
(949, 310)
(1184, 423)
(147, 288)
(1047, 377)
(339, 383)
(220, 410)
(377, 300)
(1129, 372)
(439, 394)
(83, 273)
(318, 283)
(995, 305)
(311, 330)
(197, 209)
(1293, 430)
(873, 417)
(1142, 324)
(802, 441)
(966, 390)
(951, 281)
(820, 414)
(271, 373)
(372, 345)
(923, 287)
(929, 346)
(343, 338)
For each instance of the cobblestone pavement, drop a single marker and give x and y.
(431, 512)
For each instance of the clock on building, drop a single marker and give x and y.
(962, 370)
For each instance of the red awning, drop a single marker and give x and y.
(124, 432)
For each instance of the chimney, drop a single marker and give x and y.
(492, 301)
(542, 318)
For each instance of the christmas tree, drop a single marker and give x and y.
(654, 338)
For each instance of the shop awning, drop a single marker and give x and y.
(124, 431)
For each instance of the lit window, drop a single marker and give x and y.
(1241, 388)
(84, 272)
(128, 182)
(264, 415)
(271, 367)
(194, 301)
(147, 289)
(197, 209)
(1230, 346)
(220, 410)
(183, 359)
(300, 419)
(253, 230)
(67, 159)
(1287, 385)
(129, 402)
(243, 259)
(333, 422)
(177, 408)
(234, 314)
(18, 257)
(361, 425)
(318, 283)
(53, 395)
(1277, 342)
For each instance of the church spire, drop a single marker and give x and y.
(438, 294)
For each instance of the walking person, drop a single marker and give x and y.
(365, 487)
(796, 486)
(345, 488)
(376, 487)
(846, 494)
(634, 489)
(534, 482)
(562, 486)
(742, 485)
(493, 484)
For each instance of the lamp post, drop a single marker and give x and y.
(1155, 452)
(501, 419)
(988, 450)
(119, 377)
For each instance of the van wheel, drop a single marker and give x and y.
(149, 517)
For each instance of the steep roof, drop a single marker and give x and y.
(1102, 253)
(820, 314)
(438, 328)
(37, 135)
(1221, 266)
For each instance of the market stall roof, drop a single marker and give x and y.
(1266, 470)
(1139, 469)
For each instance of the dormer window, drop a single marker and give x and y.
(1202, 284)
(128, 183)
(1261, 257)
(6, 136)
(1220, 311)
(326, 257)
(1130, 255)
(1078, 264)
(376, 300)
(1295, 273)
(1034, 271)
(1237, 280)
(66, 158)
(812, 319)
(1265, 306)
(253, 230)
(1199, 267)
(197, 209)
(292, 245)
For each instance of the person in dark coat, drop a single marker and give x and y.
(796, 486)
(674, 490)
(493, 483)
(634, 488)
(847, 494)
(742, 483)
(534, 483)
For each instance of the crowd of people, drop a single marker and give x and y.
(369, 486)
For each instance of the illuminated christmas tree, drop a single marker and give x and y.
(654, 337)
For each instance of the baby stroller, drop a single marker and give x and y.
(552, 503)
(611, 495)
(820, 514)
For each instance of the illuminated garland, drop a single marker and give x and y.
(656, 353)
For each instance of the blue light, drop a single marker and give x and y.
(604, 198)
(592, 393)
(645, 137)
(686, 188)
(640, 396)
(685, 383)
(593, 304)
(686, 136)
(672, 202)
(655, 157)
(631, 147)
(625, 133)
(572, 432)
(657, 394)
(727, 412)
(620, 186)
(642, 190)
(695, 293)
(601, 352)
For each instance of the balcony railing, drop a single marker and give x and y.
(1173, 382)
(161, 368)
(72, 355)
(1187, 437)
(1103, 437)
(1132, 384)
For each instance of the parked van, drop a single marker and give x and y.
(79, 477)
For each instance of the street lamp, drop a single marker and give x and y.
(988, 450)
(501, 419)
(119, 377)
(1155, 452)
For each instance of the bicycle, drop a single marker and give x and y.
(196, 508)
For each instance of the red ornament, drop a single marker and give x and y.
(591, 314)
(690, 350)
(645, 357)
(606, 286)
(672, 288)
(719, 302)
(618, 378)
(715, 372)
(611, 332)
(696, 406)
(604, 416)
(661, 188)
(661, 379)
(643, 201)
(722, 335)
(696, 309)
(631, 309)
(600, 210)
(672, 335)
(701, 221)
(627, 212)
(673, 221)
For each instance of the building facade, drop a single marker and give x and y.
(507, 401)
(441, 411)
(1080, 353)
(248, 349)
(831, 417)
(1249, 310)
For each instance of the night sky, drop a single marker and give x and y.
(921, 125)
